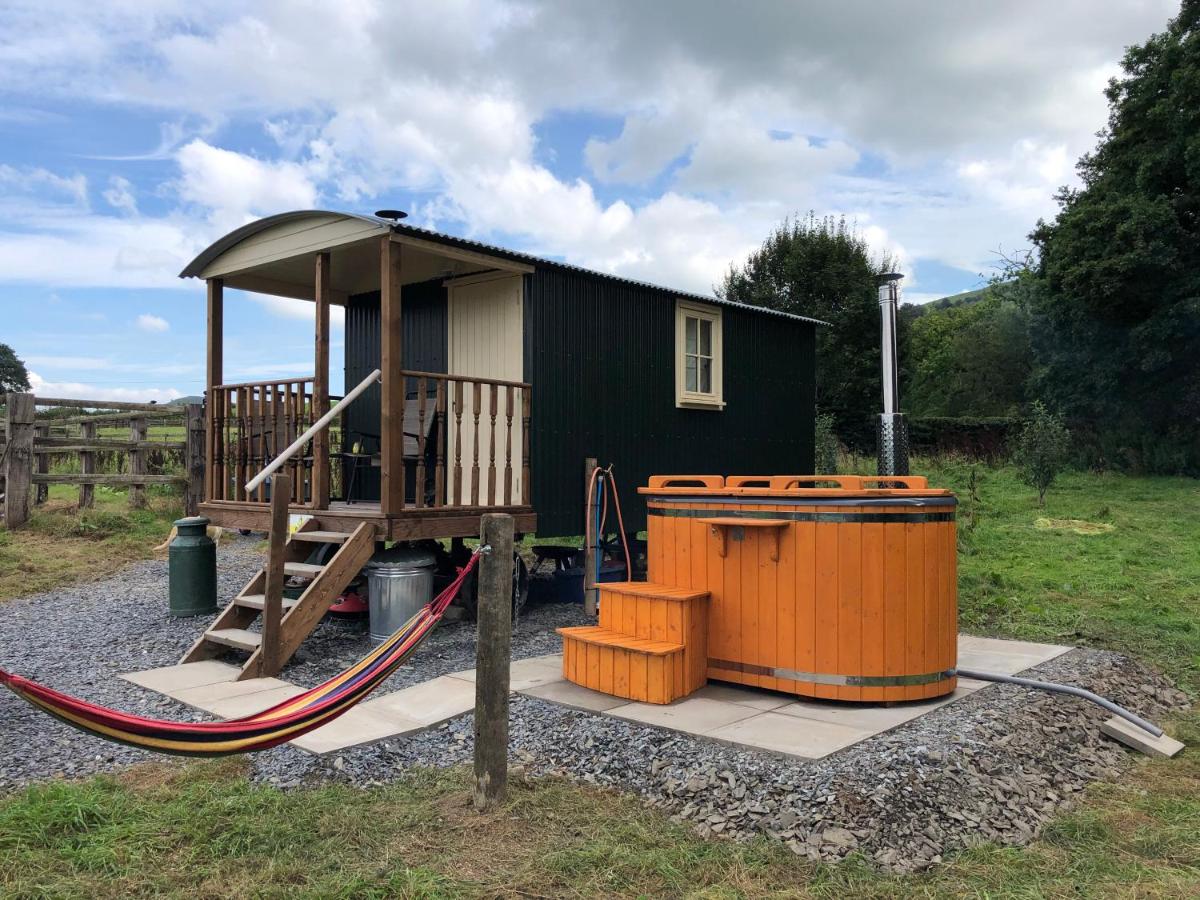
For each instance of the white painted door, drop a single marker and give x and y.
(485, 336)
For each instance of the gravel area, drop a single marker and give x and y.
(80, 638)
(993, 766)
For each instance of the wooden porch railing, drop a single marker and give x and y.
(251, 423)
(466, 440)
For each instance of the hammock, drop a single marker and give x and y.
(283, 722)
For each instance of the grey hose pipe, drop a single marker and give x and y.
(1066, 689)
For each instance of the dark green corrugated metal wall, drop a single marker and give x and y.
(601, 358)
(423, 310)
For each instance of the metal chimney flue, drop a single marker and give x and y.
(893, 428)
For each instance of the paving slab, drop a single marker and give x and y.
(429, 703)
(525, 673)
(248, 704)
(181, 677)
(1132, 736)
(690, 715)
(872, 718)
(789, 735)
(726, 693)
(354, 728)
(205, 695)
(570, 694)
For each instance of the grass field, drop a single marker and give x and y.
(61, 545)
(201, 830)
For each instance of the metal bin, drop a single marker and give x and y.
(399, 583)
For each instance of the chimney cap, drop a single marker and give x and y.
(888, 277)
(394, 214)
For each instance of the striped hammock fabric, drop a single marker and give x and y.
(260, 731)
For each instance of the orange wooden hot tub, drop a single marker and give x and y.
(840, 587)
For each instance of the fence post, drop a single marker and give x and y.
(137, 462)
(492, 654)
(87, 466)
(43, 463)
(18, 459)
(193, 458)
(590, 504)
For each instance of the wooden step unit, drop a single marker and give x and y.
(231, 628)
(651, 643)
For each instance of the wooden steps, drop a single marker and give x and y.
(299, 616)
(651, 644)
(238, 638)
(321, 537)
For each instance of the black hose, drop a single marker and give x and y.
(1066, 689)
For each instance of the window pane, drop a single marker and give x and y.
(690, 325)
(689, 374)
(705, 337)
(705, 375)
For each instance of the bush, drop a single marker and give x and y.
(826, 455)
(1042, 449)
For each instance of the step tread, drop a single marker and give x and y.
(651, 589)
(238, 638)
(307, 570)
(592, 634)
(258, 601)
(321, 537)
(747, 522)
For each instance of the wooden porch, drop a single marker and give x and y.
(450, 447)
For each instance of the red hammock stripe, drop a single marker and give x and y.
(283, 722)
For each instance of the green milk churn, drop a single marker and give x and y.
(192, 565)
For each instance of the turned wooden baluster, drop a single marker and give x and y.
(491, 491)
(508, 414)
(476, 403)
(525, 415)
(439, 470)
(458, 411)
(419, 489)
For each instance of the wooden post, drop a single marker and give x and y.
(272, 615)
(590, 593)
(193, 457)
(492, 654)
(43, 463)
(391, 341)
(320, 401)
(214, 376)
(18, 459)
(87, 466)
(137, 462)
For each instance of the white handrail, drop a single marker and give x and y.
(253, 483)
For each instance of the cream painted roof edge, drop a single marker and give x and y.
(222, 244)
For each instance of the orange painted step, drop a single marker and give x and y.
(662, 612)
(632, 668)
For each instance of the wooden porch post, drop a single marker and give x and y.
(391, 338)
(320, 398)
(214, 376)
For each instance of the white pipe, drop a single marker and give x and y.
(253, 483)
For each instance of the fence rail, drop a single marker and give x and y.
(32, 443)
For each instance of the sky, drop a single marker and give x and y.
(656, 140)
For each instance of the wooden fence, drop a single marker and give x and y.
(110, 445)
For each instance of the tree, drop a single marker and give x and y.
(972, 359)
(13, 375)
(826, 443)
(823, 268)
(1041, 449)
(1118, 318)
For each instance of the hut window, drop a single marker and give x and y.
(698, 360)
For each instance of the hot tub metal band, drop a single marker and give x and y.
(872, 518)
(825, 678)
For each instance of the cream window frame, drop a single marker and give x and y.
(696, 399)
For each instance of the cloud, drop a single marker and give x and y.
(941, 129)
(303, 310)
(234, 187)
(119, 195)
(80, 391)
(154, 324)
